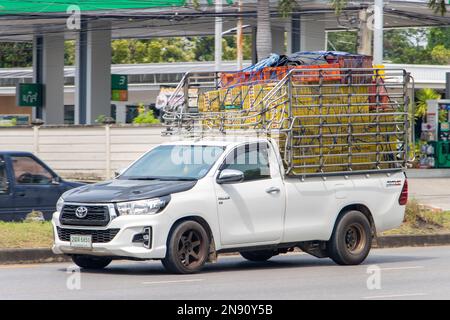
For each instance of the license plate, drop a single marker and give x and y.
(81, 241)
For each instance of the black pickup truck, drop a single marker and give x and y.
(27, 184)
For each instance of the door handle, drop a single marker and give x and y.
(273, 190)
(21, 194)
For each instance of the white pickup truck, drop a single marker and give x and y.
(185, 202)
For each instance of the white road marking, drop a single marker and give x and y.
(402, 268)
(397, 296)
(173, 281)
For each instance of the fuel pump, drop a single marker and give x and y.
(436, 133)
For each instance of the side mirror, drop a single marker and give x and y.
(228, 176)
(118, 172)
(56, 180)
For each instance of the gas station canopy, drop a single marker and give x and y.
(59, 6)
(20, 21)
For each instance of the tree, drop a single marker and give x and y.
(204, 48)
(440, 55)
(406, 46)
(16, 54)
(285, 7)
(438, 6)
(343, 41)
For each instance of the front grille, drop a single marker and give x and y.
(97, 216)
(98, 236)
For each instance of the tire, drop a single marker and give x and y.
(91, 262)
(351, 240)
(257, 256)
(187, 248)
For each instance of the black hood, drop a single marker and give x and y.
(125, 190)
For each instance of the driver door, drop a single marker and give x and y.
(251, 212)
(34, 187)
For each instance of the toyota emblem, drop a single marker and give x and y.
(81, 212)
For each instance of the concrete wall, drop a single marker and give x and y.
(83, 152)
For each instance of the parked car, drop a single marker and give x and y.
(27, 184)
(234, 197)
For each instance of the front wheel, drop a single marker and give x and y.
(91, 262)
(187, 249)
(351, 240)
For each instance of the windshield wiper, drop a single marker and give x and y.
(177, 179)
(143, 178)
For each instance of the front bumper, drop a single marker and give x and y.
(122, 245)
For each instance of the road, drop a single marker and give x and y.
(405, 273)
(434, 192)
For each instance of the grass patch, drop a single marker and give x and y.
(421, 220)
(15, 235)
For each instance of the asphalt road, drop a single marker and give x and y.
(434, 192)
(404, 273)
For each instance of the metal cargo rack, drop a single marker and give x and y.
(327, 121)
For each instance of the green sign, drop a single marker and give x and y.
(119, 87)
(119, 82)
(29, 95)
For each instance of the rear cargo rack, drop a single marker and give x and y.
(325, 120)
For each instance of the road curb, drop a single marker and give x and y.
(22, 256)
(45, 255)
(395, 241)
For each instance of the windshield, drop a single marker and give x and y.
(176, 162)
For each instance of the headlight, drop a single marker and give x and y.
(150, 206)
(60, 204)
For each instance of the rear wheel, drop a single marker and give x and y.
(91, 262)
(188, 248)
(257, 256)
(351, 240)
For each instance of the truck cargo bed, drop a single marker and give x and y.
(325, 120)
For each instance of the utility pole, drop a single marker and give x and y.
(378, 32)
(218, 37)
(239, 38)
(364, 34)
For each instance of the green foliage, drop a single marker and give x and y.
(411, 46)
(416, 216)
(26, 235)
(440, 54)
(152, 51)
(145, 117)
(285, 7)
(343, 41)
(439, 6)
(16, 54)
(338, 5)
(204, 48)
(69, 53)
(421, 101)
(406, 46)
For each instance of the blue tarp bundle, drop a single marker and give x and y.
(297, 59)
